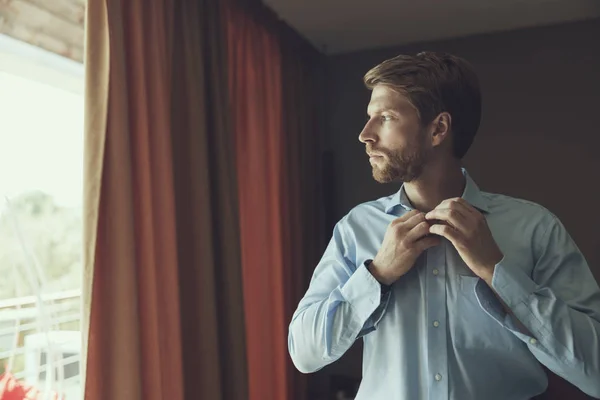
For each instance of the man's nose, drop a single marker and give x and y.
(367, 135)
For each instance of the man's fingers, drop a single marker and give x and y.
(416, 233)
(409, 223)
(427, 242)
(454, 217)
(459, 203)
(453, 235)
(407, 216)
(415, 220)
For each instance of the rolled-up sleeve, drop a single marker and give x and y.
(559, 304)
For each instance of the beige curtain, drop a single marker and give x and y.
(163, 300)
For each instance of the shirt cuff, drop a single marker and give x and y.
(363, 292)
(514, 287)
(489, 302)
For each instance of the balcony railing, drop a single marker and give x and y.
(28, 343)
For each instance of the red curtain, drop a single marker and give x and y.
(163, 285)
(274, 113)
(255, 78)
(168, 258)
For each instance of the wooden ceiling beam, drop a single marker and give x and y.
(47, 28)
(71, 11)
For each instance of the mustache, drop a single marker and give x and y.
(371, 150)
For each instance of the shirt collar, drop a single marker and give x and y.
(471, 194)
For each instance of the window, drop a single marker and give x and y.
(41, 189)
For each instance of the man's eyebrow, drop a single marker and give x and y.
(378, 107)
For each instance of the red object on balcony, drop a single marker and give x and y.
(12, 389)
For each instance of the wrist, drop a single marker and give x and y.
(376, 272)
(487, 275)
(487, 272)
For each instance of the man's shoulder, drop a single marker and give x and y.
(501, 204)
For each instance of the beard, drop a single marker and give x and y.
(400, 165)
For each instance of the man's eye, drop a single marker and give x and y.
(386, 118)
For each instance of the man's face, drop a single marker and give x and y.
(395, 140)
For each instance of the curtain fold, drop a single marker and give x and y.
(133, 291)
(164, 315)
(303, 81)
(275, 110)
(207, 213)
(202, 203)
(255, 73)
(96, 99)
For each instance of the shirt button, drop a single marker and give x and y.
(436, 271)
(436, 323)
(532, 341)
(438, 377)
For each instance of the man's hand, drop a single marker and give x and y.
(468, 231)
(405, 239)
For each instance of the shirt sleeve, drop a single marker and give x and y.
(342, 303)
(559, 305)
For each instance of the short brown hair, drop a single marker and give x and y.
(435, 83)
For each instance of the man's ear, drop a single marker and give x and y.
(441, 126)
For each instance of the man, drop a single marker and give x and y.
(456, 293)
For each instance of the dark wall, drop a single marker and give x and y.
(539, 138)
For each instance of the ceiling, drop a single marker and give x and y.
(53, 25)
(339, 26)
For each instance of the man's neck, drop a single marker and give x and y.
(438, 182)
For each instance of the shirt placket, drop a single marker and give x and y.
(437, 355)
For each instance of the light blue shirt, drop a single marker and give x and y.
(441, 333)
